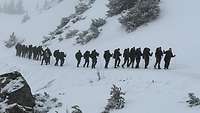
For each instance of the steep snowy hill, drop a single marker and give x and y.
(177, 28)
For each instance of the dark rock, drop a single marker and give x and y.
(19, 109)
(16, 93)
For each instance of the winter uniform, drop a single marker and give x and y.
(86, 56)
(168, 56)
(138, 55)
(39, 55)
(62, 58)
(94, 56)
(30, 51)
(146, 55)
(126, 57)
(158, 55)
(107, 55)
(49, 54)
(78, 56)
(132, 57)
(46, 56)
(56, 55)
(35, 52)
(18, 49)
(116, 56)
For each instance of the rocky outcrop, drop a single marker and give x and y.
(15, 94)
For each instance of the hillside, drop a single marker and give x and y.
(177, 27)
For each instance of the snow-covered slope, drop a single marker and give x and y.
(177, 28)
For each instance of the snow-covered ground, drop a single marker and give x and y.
(177, 28)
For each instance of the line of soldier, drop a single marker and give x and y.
(130, 56)
(29, 51)
(87, 55)
(40, 54)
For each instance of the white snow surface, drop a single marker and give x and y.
(177, 27)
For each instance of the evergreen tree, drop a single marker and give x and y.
(193, 101)
(81, 8)
(117, 6)
(12, 41)
(76, 109)
(92, 33)
(98, 22)
(143, 12)
(116, 101)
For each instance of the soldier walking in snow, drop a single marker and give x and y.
(78, 56)
(94, 56)
(116, 56)
(30, 51)
(86, 56)
(34, 53)
(46, 56)
(56, 55)
(107, 55)
(138, 55)
(39, 51)
(146, 55)
(168, 56)
(158, 55)
(18, 49)
(49, 54)
(62, 58)
(132, 57)
(126, 57)
(24, 51)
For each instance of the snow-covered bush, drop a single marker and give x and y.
(26, 18)
(12, 41)
(81, 8)
(48, 38)
(98, 22)
(143, 12)
(44, 103)
(54, 33)
(71, 33)
(193, 101)
(58, 31)
(80, 38)
(76, 109)
(116, 101)
(45, 39)
(77, 18)
(86, 36)
(92, 33)
(117, 6)
(64, 22)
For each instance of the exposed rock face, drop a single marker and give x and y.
(15, 94)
